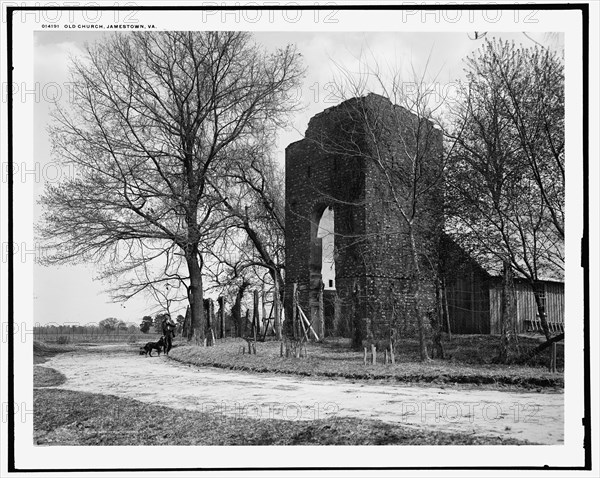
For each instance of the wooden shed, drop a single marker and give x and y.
(528, 319)
(471, 296)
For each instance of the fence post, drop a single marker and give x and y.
(295, 309)
(255, 316)
(321, 312)
(221, 301)
(263, 309)
(276, 310)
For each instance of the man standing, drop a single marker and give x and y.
(168, 331)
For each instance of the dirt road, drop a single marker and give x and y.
(537, 417)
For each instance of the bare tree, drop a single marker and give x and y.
(506, 177)
(153, 271)
(155, 118)
(255, 223)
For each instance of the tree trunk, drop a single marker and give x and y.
(246, 320)
(436, 320)
(446, 309)
(186, 327)
(195, 294)
(508, 329)
(357, 318)
(209, 314)
(237, 310)
(417, 296)
(276, 310)
(539, 292)
(255, 317)
(221, 301)
(545, 345)
(263, 303)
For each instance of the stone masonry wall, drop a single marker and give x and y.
(338, 164)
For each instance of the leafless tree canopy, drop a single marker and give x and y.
(156, 119)
(506, 177)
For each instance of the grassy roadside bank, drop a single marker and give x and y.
(336, 360)
(469, 363)
(47, 377)
(64, 417)
(42, 351)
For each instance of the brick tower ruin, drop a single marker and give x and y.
(334, 172)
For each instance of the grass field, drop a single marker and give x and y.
(47, 377)
(64, 417)
(42, 351)
(470, 362)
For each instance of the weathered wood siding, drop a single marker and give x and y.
(555, 302)
(476, 308)
(473, 296)
(527, 313)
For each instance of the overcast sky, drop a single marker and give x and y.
(69, 293)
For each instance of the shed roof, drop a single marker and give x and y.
(492, 264)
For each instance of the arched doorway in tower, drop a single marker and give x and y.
(322, 270)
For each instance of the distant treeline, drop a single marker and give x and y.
(90, 329)
(66, 334)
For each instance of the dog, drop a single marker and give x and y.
(147, 349)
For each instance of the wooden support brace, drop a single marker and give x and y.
(304, 330)
(303, 316)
